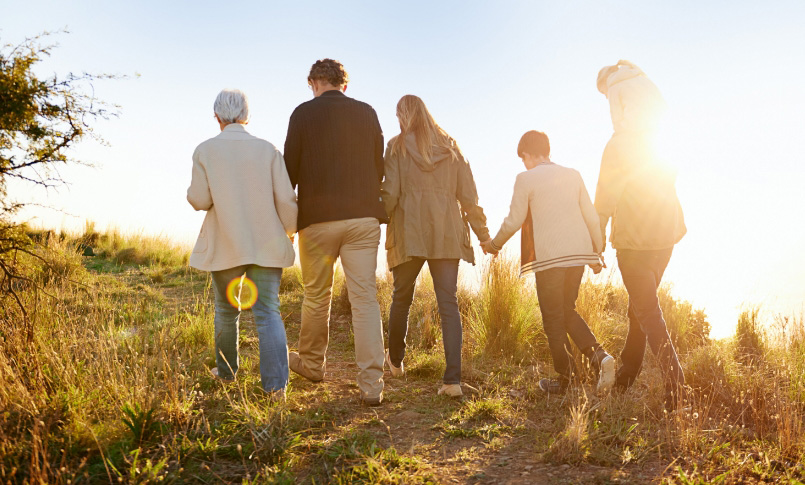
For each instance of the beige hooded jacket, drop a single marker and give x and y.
(429, 205)
(635, 103)
(634, 188)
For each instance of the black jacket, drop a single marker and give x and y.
(334, 153)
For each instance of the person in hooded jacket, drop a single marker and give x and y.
(430, 196)
(638, 193)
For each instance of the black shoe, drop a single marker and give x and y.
(553, 386)
(676, 400)
(622, 381)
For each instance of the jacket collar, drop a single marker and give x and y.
(235, 128)
(333, 92)
(623, 74)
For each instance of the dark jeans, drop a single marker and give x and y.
(642, 272)
(445, 278)
(557, 290)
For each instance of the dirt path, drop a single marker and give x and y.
(485, 448)
(499, 435)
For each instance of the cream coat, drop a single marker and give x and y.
(565, 224)
(635, 103)
(242, 183)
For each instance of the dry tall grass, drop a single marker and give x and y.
(111, 382)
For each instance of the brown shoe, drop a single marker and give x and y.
(295, 364)
(373, 401)
(277, 396)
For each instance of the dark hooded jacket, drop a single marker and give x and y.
(430, 205)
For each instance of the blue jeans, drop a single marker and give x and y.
(557, 290)
(642, 272)
(445, 281)
(267, 318)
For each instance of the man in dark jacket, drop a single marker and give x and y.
(334, 153)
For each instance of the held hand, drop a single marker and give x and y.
(600, 265)
(486, 246)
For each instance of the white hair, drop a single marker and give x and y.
(232, 106)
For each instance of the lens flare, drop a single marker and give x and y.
(241, 293)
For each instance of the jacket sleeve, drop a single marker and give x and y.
(293, 147)
(198, 194)
(518, 210)
(378, 148)
(591, 218)
(467, 195)
(284, 195)
(390, 188)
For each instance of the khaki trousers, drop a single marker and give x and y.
(356, 242)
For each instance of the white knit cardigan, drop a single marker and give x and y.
(565, 223)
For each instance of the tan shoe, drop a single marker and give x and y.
(277, 396)
(395, 371)
(451, 390)
(295, 364)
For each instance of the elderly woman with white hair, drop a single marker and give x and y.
(245, 241)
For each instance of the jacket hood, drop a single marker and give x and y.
(623, 73)
(439, 154)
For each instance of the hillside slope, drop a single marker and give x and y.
(107, 379)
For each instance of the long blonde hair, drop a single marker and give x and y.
(416, 119)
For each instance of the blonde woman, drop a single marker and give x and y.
(639, 195)
(428, 193)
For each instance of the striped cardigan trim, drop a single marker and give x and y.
(564, 261)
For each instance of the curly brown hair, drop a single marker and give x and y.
(329, 70)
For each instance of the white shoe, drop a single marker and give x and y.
(395, 371)
(452, 390)
(214, 372)
(606, 375)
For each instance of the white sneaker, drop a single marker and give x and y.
(214, 372)
(452, 390)
(606, 375)
(395, 371)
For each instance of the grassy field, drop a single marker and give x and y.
(106, 379)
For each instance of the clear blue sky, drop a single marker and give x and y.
(489, 71)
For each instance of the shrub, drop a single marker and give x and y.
(504, 321)
(749, 337)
